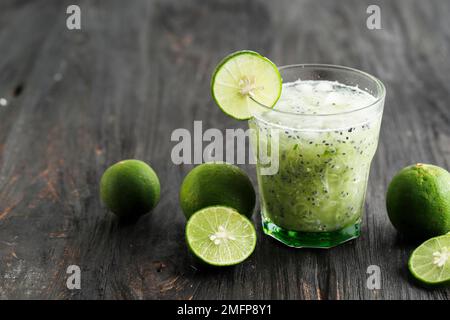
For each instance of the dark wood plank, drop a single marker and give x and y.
(137, 71)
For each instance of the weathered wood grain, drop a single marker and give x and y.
(82, 100)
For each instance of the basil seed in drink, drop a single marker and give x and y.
(327, 136)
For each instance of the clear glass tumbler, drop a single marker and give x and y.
(313, 167)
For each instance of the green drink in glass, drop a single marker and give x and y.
(324, 130)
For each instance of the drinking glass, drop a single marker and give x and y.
(313, 168)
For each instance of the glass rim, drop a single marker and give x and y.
(379, 84)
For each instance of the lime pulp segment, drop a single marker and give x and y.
(430, 262)
(220, 236)
(243, 78)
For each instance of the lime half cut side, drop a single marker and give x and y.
(243, 78)
(430, 262)
(220, 236)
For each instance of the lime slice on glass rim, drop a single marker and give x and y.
(241, 79)
(430, 262)
(220, 236)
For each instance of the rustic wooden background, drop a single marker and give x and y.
(79, 101)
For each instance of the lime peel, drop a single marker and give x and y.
(130, 188)
(214, 184)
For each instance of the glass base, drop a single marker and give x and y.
(299, 239)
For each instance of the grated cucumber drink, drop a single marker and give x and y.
(327, 136)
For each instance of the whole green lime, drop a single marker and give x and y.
(130, 188)
(418, 201)
(213, 184)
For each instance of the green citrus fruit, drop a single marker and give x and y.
(242, 78)
(418, 201)
(130, 188)
(430, 262)
(212, 184)
(220, 236)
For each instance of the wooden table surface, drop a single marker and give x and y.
(80, 100)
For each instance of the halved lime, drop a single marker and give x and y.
(242, 75)
(220, 236)
(430, 262)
